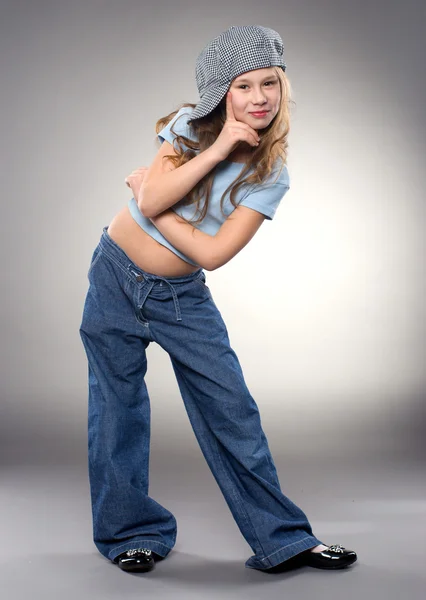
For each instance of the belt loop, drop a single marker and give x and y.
(175, 298)
(140, 277)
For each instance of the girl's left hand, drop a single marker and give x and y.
(134, 182)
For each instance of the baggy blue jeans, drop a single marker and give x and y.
(125, 309)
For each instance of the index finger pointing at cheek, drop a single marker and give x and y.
(229, 109)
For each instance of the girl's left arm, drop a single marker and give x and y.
(208, 251)
(211, 251)
(196, 244)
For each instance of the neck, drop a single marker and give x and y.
(240, 155)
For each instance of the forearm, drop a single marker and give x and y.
(162, 192)
(197, 245)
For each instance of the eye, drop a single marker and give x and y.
(245, 85)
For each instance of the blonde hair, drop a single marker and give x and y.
(273, 147)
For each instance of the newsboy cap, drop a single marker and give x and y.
(233, 52)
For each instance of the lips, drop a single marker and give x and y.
(259, 113)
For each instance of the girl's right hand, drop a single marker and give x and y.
(233, 132)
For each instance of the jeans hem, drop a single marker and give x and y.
(157, 547)
(283, 553)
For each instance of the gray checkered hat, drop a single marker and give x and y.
(233, 52)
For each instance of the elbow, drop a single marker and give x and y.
(217, 260)
(212, 267)
(143, 203)
(212, 263)
(143, 211)
(206, 264)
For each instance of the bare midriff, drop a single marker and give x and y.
(143, 250)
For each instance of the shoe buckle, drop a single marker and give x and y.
(336, 548)
(138, 550)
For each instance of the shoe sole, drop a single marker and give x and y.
(331, 566)
(136, 569)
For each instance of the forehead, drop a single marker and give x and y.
(256, 74)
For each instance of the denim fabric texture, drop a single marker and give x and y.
(125, 310)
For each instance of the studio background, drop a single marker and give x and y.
(324, 307)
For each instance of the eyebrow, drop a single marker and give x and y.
(264, 79)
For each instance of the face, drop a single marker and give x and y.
(256, 91)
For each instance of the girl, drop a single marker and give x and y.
(219, 173)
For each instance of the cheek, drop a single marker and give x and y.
(243, 118)
(239, 110)
(238, 103)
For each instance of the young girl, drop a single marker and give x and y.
(219, 173)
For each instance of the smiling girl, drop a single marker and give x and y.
(219, 173)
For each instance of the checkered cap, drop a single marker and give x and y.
(233, 52)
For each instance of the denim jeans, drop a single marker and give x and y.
(125, 310)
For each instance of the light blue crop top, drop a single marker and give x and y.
(264, 198)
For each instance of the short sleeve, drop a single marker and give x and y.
(180, 125)
(266, 198)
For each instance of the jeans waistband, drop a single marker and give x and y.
(108, 243)
(118, 254)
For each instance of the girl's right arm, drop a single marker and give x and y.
(164, 185)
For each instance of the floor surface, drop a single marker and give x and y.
(377, 508)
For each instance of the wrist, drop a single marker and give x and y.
(214, 156)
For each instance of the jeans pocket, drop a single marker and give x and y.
(201, 278)
(201, 282)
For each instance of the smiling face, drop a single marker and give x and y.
(256, 91)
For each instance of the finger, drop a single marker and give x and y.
(132, 178)
(256, 139)
(229, 110)
(252, 134)
(141, 172)
(256, 136)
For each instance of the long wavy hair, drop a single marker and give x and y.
(272, 149)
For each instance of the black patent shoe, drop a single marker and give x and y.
(334, 557)
(137, 560)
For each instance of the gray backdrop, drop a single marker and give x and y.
(324, 307)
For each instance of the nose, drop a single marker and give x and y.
(258, 97)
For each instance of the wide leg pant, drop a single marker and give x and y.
(125, 309)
